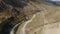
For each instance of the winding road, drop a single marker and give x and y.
(23, 28)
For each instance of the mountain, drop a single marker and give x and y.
(57, 3)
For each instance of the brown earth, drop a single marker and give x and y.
(45, 22)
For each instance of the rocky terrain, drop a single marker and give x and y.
(45, 22)
(29, 17)
(13, 12)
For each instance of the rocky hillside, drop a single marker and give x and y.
(13, 12)
(47, 21)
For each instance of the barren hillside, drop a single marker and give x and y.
(17, 17)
